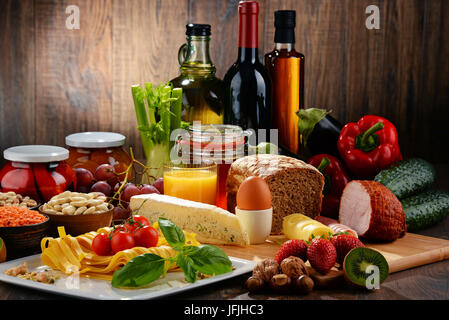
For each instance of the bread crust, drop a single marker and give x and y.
(275, 170)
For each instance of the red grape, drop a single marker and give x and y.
(121, 214)
(128, 191)
(105, 172)
(84, 179)
(159, 185)
(103, 187)
(147, 189)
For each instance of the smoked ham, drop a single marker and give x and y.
(372, 211)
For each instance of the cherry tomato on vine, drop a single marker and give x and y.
(136, 222)
(145, 236)
(121, 240)
(101, 244)
(142, 220)
(118, 228)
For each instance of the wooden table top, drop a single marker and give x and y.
(429, 282)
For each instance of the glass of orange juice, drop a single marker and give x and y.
(196, 182)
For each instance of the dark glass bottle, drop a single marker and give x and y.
(204, 95)
(286, 69)
(247, 77)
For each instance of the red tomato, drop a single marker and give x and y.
(121, 240)
(136, 222)
(146, 236)
(142, 220)
(101, 244)
(118, 228)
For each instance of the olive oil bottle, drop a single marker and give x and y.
(204, 95)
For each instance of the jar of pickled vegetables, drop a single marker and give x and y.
(37, 171)
(89, 150)
(221, 144)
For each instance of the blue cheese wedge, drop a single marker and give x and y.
(211, 224)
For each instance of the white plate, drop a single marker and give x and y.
(81, 287)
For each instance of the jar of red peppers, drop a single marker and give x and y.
(89, 150)
(222, 144)
(37, 171)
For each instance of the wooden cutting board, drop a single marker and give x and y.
(411, 251)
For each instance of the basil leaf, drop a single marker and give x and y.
(140, 271)
(186, 264)
(189, 250)
(172, 233)
(210, 260)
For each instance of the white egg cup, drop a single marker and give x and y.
(256, 223)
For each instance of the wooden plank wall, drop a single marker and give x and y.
(55, 81)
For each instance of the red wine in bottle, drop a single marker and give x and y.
(249, 81)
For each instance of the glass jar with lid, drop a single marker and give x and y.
(89, 150)
(37, 171)
(221, 144)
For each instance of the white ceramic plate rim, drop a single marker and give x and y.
(241, 267)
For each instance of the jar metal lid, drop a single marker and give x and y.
(36, 154)
(95, 140)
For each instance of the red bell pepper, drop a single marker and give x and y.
(368, 146)
(335, 178)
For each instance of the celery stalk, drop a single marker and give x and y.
(164, 104)
(176, 107)
(142, 120)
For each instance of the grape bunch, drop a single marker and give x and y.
(106, 181)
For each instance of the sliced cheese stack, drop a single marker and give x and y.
(211, 224)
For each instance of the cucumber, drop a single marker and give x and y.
(407, 177)
(425, 209)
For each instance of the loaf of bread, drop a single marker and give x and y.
(211, 224)
(296, 187)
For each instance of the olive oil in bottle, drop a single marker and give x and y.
(204, 95)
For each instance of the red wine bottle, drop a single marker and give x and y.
(249, 81)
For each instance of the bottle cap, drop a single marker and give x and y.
(285, 23)
(198, 29)
(285, 19)
(251, 7)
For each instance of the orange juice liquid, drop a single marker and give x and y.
(196, 185)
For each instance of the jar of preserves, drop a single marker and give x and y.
(220, 144)
(89, 150)
(37, 171)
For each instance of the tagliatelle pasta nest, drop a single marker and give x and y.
(75, 255)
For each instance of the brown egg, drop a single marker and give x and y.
(254, 194)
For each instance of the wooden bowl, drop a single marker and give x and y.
(23, 241)
(79, 224)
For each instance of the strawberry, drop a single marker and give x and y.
(322, 255)
(344, 243)
(297, 248)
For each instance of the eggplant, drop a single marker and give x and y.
(320, 131)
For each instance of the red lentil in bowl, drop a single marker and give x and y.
(17, 217)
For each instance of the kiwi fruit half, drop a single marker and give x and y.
(358, 263)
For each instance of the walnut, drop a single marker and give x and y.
(266, 269)
(294, 267)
